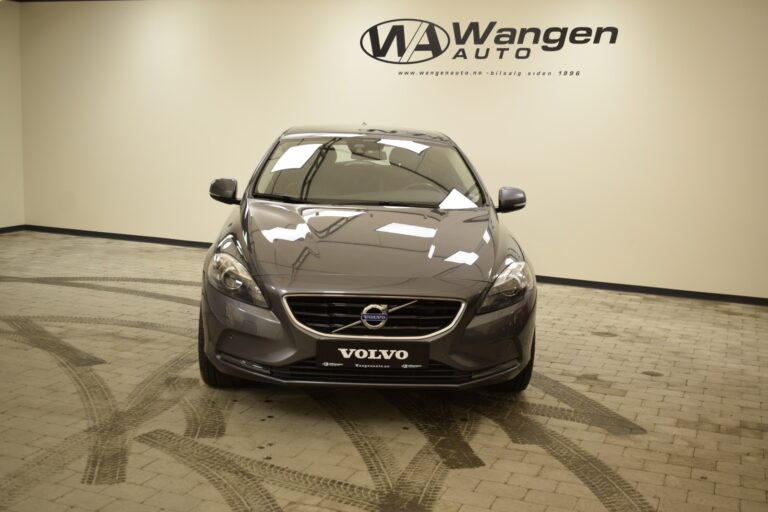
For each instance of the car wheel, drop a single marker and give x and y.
(210, 375)
(519, 383)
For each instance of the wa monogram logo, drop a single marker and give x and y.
(405, 41)
(411, 40)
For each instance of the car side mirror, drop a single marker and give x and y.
(510, 199)
(224, 190)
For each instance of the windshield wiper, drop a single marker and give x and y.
(283, 198)
(330, 202)
(390, 203)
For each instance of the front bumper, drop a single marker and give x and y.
(265, 345)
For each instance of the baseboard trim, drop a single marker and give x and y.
(600, 285)
(13, 229)
(652, 290)
(107, 235)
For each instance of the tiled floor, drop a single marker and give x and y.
(639, 403)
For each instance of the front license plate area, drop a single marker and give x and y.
(372, 355)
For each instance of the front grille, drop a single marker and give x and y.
(307, 370)
(325, 314)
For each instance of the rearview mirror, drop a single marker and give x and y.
(224, 190)
(510, 199)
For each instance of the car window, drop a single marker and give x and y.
(368, 170)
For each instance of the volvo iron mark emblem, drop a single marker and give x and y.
(374, 316)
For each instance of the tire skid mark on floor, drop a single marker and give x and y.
(615, 493)
(105, 279)
(617, 423)
(35, 336)
(109, 461)
(148, 391)
(104, 288)
(421, 483)
(16, 485)
(86, 320)
(106, 441)
(379, 461)
(610, 488)
(99, 404)
(109, 457)
(220, 462)
(242, 490)
(607, 423)
(205, 412)
(434, 416)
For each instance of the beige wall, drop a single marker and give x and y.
(11, 169)
(648, 169)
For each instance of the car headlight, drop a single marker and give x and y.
(229, 276)
(509, 287)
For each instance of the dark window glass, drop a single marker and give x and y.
(366, 170)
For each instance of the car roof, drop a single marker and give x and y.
(431, 136)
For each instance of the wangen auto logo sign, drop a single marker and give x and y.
(405, 41)
(411, 40)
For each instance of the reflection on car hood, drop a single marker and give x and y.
(312, 241)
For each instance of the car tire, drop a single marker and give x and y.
(209, 373)
(519, 383)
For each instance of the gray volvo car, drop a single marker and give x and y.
(366, 257)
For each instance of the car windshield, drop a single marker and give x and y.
(347, 169)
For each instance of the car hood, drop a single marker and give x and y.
(378, 243)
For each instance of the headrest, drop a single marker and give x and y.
(404, 158)
(330, 157)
